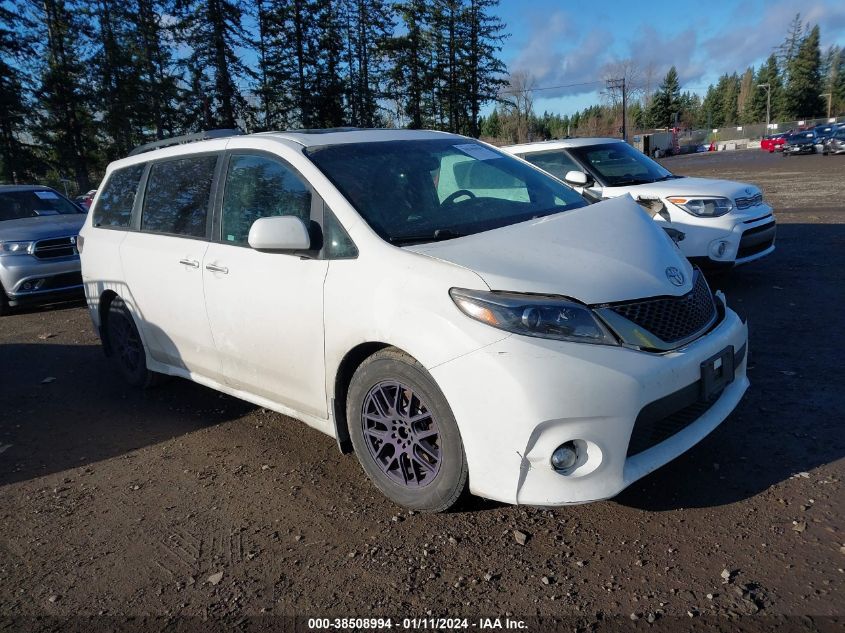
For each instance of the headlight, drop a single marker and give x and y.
(15, 248)
(703, 207)
(532, 315)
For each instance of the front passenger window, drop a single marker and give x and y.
(258, 187)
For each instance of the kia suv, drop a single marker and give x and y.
(723, 223)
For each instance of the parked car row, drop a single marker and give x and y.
(815, 140)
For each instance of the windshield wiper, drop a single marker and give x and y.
(437, 236)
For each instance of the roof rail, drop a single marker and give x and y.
(187, 138)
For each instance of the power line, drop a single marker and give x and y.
(583, 83)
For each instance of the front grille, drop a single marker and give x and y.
(663, 418)
(672, 319)
(752, 201)
(756, 240)
(56, 247)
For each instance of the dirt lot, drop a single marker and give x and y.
(124, 503)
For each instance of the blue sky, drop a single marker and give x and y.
(577, 41)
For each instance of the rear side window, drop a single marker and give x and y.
(177, 197)
(557, 163)
(258, 187)
(114, 208)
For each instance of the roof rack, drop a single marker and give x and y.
(187, 138)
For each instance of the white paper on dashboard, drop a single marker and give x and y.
(477, 151)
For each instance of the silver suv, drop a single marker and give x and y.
(39, 261)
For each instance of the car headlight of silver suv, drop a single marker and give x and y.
(703, 206)
(15, 248)
(533, 315)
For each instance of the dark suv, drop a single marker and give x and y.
(803, 142)
(39, 261)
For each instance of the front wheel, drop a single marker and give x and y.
(404, 433)
(126, 350)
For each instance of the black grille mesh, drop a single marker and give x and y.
(673, 318)
(55, 247)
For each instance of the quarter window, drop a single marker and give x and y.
(258, 187)
(114, 207)
(178, 192)
(557, 163)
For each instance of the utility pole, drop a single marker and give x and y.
(613, 84)
(829, 97)
(768, 88)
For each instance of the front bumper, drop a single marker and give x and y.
(520, 398)
(799, 149)
(732, 239)
(27, 279)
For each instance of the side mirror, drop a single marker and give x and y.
(279, 233)
(576, 178)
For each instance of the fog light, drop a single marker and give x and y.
(564, 456)
(719, 248)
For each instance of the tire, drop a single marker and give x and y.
(420, 463)
(4, 303)
(126, 350)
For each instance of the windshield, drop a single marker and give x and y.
(619, 164)
(427, 190)
(33, 203)
(801, 136)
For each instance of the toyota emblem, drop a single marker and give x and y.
(675, 276)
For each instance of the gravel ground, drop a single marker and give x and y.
(179, 501)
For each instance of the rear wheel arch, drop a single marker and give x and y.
(103, 312)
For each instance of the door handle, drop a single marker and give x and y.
(190, 262)
(217, 269)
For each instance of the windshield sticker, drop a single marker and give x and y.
(46, 195)
(477, 151)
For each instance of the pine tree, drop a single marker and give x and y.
(788, 49)
(213, 31)
(804, 85)
(837, 83)
(768, 73)
(328, 83)
(65, 125)
(117, 79)
(411, 76)
(16, 45)
(370, 24)
(158, 91)
(483, 72)
(665, 104)
(746, 89)
(730, 98)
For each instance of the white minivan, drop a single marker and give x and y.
(723, 223)
(454, 315)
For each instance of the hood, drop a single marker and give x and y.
(802, 140)
(685, 186)
(40, 228)
(606, 252)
